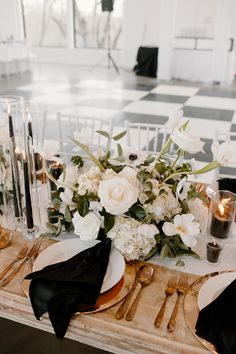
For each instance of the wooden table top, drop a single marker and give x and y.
(101, 329)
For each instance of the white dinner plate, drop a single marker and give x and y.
(66, 249)
(213, 287)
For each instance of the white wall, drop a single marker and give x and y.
(10, 21)
(140, 27)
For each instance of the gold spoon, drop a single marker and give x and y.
(145, 278)
(5, 240)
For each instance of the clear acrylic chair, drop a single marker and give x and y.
(147, 137)
(68, 124)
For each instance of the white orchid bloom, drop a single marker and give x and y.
(182, 189)
(175, 120)
(224, 153)
(187, 142)
(184, 226)
(66, 197)
(84, 136)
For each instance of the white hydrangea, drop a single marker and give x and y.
(126, 236)
(165, 206)
(199, 211)
(89, 181)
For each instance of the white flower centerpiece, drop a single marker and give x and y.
(143, 202)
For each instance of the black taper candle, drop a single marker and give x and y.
(28, 204)
(17, 207)
(11, 129)
(30, 130)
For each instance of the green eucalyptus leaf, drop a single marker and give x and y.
(76, 197)
(109, 222)
(83, 206)
(119, 150)
(151, 253)
(52, 228)
(103, 133)
(160, 167)
(164, 251)
(67, 214)
(119, 136)
(150, 200)
(148, 160)
(137, 212)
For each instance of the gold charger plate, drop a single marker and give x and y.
(109, 297)
(191, 309)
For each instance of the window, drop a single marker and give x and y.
(92, 26)
(46, 22)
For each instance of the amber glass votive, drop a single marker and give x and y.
(221, 214)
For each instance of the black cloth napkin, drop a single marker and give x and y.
(217, 321)
(70, 286)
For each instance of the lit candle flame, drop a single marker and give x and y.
(28, 113)
(221, 209)
(221, 205)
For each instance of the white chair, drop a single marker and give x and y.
(147, 137)
(230, 170)
(68, 124)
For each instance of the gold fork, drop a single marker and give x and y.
(21, 255)
(34, 249)
(181, 290)
(170, 289)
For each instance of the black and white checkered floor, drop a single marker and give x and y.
(208, 108)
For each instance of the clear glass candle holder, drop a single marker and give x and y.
(221, 214)
(213, 250)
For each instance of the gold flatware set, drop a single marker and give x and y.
(24, 255)
(144, 276)
(173, 286)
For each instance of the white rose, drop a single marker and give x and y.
(87, 227)
(118, 194)
(187, 141)
(148, 230)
